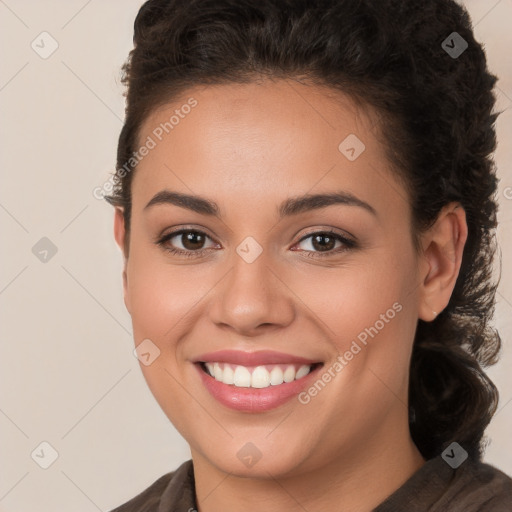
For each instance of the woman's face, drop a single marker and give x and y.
(277, 281)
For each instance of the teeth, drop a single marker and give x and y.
(242, 377)
(217, 372)
(289, 374)
(261, 377)
(302, 371)
(228, 375)
(209, 366)
(276, 376)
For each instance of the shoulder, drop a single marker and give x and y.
(170, 491)
(482, 487)
(436, 487)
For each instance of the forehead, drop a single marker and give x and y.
(261, 140)
(277, 104)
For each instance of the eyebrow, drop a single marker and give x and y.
(291, 206)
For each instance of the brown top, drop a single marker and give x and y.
(435, 487)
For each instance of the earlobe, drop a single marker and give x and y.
(119, 235)
(442, 257)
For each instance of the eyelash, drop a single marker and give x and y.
(349, 244)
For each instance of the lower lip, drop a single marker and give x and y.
(253, 399)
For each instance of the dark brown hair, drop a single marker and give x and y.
(437, 122)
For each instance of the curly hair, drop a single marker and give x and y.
(436, 120)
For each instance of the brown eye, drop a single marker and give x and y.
(192, 240)
(325, 242)
(185, 242)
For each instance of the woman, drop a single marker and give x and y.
(304, 196)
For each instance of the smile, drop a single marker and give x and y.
(256, 376)
(255, 381)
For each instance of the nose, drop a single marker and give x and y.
(252, 299)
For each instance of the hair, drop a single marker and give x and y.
(437, 123)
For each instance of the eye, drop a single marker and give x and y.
(325, 242)
(192, 242)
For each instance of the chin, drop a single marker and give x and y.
(246, 459)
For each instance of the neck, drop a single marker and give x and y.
(357, 480)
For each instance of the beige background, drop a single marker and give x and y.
(68, 374)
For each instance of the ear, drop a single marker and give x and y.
(443, 246)
(120, 236)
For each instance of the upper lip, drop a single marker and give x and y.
(257, 358)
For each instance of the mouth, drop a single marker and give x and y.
(255, 381)
(257, 377)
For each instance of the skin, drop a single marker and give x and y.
(249, 147)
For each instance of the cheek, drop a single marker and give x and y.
(162, 301)
(351, 299)
(162, 296)
(368, 312)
